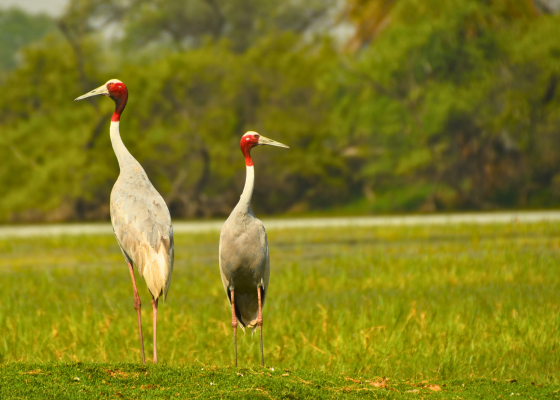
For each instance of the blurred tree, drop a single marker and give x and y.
(371, 17)
(18, 29)
(433, 95)
(187, 24)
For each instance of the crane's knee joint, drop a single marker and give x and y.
(137, 303)
(259, 321)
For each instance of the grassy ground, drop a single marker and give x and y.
(438, 304)
(133, 381)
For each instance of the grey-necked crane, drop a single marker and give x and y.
(140, 218)
(244, 258)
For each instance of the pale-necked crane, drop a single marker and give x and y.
(141, 220)
(244, 258)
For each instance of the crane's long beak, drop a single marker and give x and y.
(95, 92)
(264, 140)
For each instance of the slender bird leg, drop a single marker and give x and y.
(137, 306)
(259, 323)
(234, 326)
(154, 307)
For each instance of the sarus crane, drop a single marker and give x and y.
(244, 258)
(140, 218)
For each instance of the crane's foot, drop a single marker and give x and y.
(154, 310)
(137, 307)
(260, 323)
(234, 326)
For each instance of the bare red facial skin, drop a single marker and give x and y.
(119, 93)
(246, 144)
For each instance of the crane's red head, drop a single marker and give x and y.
(248, 141)
(114, 89)
(252, 139)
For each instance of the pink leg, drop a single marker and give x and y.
(154, 307)
(259, 323)
(234, 326)
(137, 306)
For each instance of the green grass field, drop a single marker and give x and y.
(134, 381)
(439, 305)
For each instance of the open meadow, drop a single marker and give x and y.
(454, 305)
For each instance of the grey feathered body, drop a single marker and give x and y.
(142, 223)
(244, 262)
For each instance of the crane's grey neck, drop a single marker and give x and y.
(244, 204)
(123, 155)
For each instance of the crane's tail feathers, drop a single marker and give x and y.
(155, 267)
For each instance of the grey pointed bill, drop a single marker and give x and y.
(264, 140)
(101, 90)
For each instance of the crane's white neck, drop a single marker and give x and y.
(244, 204)
(123, 155)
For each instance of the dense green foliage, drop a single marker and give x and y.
(439, 302)
(443, 106)
(199, 381)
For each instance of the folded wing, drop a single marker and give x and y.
(142, 226)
